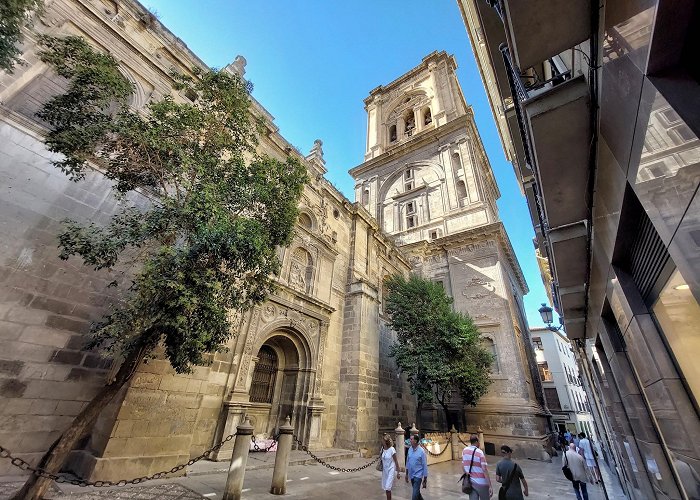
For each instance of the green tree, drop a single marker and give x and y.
(13, 15)
(206, 245)
(439, 349)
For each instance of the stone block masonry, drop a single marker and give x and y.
(46, 305)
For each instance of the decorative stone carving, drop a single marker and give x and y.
(269, 312)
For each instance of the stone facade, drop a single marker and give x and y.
(315, 350)
(428, 182)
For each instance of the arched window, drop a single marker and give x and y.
(263, 386)
(456, 162)
(365, 197)
(410, 122)
(305, 221)
(490, 347)
(427, 117)
(461, 192)
(392, 133)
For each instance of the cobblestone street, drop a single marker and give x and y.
(312, 481)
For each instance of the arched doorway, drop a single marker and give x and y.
(280, 384)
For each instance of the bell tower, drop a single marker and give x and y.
(428, 182)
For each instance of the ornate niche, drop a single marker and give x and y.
(301, 270)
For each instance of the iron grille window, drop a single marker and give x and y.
(648, 256)
(552, 398)
(263, 386)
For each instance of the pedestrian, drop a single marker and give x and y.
(577, 465)
(390, 465)
(416, 467)
(567, 436)
(585, 445)
(510, 475)
(474, 463)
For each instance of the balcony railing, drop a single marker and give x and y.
(519, 92)
(496, 4)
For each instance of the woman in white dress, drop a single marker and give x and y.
(390, 465)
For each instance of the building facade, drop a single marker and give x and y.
(316, 350)
(428, 183)
(599, 114)
(563, 390)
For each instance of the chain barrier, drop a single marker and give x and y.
(24, 465)
(333, 467)
(460, 440)
(256, 447)
(436, 454)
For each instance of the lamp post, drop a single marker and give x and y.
(547, 318)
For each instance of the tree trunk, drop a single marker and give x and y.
(56, 456)
(448, 415)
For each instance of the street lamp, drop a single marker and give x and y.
(547, 317)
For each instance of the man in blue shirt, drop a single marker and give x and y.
(416, 467)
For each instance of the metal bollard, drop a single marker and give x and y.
(400, 453)
(236, 471)
(454, 440)
(284, 448)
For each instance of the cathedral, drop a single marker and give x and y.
(317, 349)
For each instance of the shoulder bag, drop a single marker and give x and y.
(504, 488)
(380, 464)
(565, 469)
(466, 477)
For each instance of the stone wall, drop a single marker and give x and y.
(46, 304)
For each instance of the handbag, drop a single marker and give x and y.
(380, 464)
(466, 477)
(504, 487)
(565, 469)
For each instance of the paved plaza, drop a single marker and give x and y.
(314, 481)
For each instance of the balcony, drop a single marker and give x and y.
(552, 118)
(540, 29)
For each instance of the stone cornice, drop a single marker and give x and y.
(470, 236)
(434, 57)
(418, 141)
(327, 308)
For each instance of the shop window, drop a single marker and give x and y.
(678, 315)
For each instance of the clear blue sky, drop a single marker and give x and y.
(312, 62)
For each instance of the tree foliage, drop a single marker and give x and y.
(13, 15)
(208, 241)
(204, 247)
(438, 349)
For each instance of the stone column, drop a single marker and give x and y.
(236, 471)
(284, 448)
(454, 439)
(480, 433)
(400, 453)
(413, 430)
